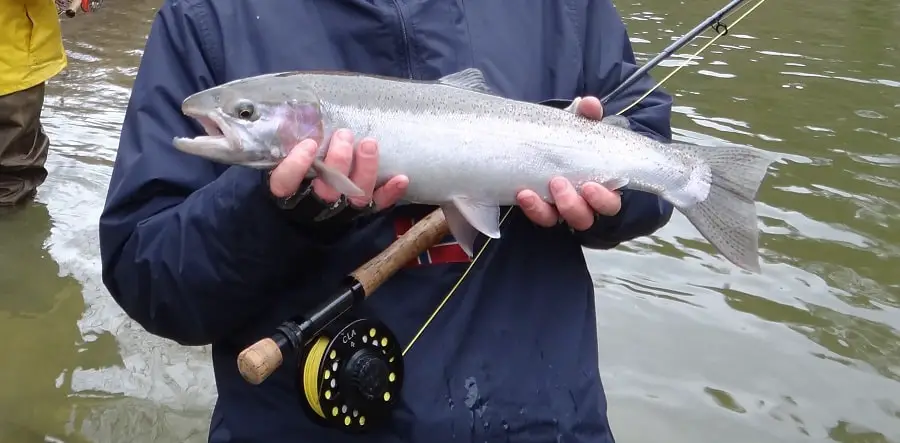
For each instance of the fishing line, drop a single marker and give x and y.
(321, 377)
(311, 383)
(717, 27)
(454, 288)
(351, 372)
(350, 369)
(721, 30)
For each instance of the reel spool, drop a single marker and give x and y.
(352, 381)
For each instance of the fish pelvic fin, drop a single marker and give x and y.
(466, 217)
(726, 217)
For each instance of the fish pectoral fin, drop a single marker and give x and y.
(615, 183)
(470, 78)
(462, 231)
(617, 120)
(340, 182)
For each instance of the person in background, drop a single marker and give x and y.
(203, 253)
(31, 52)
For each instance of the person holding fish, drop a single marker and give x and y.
(278, 185)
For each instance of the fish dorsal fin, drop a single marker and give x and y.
(469, 78)
(617, 120)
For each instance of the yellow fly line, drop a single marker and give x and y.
(314, 381)
(505, 215)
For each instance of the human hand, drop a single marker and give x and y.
(578, 211)
(286, 178)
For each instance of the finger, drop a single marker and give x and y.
(590, 107)
(538, 211)
(287, 176)
(365, 171)
(339, 156)
(602, 200)
(391, 192)
(571, 206)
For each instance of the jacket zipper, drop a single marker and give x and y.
(409, 68)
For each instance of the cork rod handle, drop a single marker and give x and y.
(423, 235)
(262, 358)
(259, 361)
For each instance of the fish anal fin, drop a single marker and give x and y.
(615, 183)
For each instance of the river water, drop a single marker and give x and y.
(691, 349)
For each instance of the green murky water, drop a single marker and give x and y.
(691, 350)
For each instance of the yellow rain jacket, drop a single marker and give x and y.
(31, 47)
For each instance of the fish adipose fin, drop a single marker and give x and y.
(470, 78)
(727, 216)
(336, 180)
(617, 120)
(467, 217)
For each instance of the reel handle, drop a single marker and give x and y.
(258, 361)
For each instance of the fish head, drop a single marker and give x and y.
(253, 122)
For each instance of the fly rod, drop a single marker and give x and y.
(714, 20)
(350, 373)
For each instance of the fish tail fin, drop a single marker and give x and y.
(727, 216)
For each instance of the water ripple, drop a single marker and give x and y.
(692, 349)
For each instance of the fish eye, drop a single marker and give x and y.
(245, 110)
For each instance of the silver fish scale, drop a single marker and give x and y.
(469, 151)
(456, 142)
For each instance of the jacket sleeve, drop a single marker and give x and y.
(609, 60)
(189, 249)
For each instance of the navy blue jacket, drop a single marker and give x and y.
(197, 252)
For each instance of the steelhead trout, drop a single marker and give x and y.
(470, 151)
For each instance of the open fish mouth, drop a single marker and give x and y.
(218, 141)
(223, 142)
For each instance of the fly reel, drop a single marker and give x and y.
(352, 380)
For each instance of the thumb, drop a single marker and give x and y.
(589, 107)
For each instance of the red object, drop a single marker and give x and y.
(447, 251)
(86, 5)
